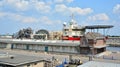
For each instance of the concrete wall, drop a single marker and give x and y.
(41, 47)
(85, 50)
(19, 46)
(100, 42)
(38, 47)
(40, 64)
(37, 64)
(3, 45)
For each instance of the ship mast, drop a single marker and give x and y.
(72, 15)
(71, 25)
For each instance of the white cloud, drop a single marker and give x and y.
(47, 21)
(98, 17)
(2, 14)
(58, 1)
(22, 5)
(80, 11)
(76, 10)
(11, 1)
(28, 19)
(24, 19)
(60, 8)
(26, 5)
(69, 1)
(63, 1)
(37, 5)
(116, 9)
(42, 7)
(1, 3)
(17, 17)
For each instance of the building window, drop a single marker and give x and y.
(63, 48)
(57, 47)
(46, 65)
(35, 63)
(71, 48)
(28, 65)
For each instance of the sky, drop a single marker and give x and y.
(51, 14)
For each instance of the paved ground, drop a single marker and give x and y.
(62, 57)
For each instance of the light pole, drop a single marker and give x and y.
(92, 53)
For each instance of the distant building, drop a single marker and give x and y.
(55, 35)
(41, 34)
(6, 36)
(113, 41)
(92, 43)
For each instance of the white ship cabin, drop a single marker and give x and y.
(72, 31)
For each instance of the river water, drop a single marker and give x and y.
(113, 49)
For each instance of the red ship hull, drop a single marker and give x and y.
(70, 38)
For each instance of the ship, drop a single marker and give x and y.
(73, 31)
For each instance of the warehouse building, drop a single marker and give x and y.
(7, 60)
(42, 45)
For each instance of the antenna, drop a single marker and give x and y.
(72, 16)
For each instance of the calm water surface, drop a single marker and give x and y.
(113, 49)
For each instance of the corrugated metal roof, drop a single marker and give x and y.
(99, 64)
(99, 26)
(42, 42)
(93, 35)
(101, 46)
(20, 60)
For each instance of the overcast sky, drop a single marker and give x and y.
(51, 14)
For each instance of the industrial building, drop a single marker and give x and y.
(113, 41)
(8, 60)
(41, 45)
(99, 64)
(92, 43)
(55, 35)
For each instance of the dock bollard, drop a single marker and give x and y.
(112, 58)
(90, 58)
